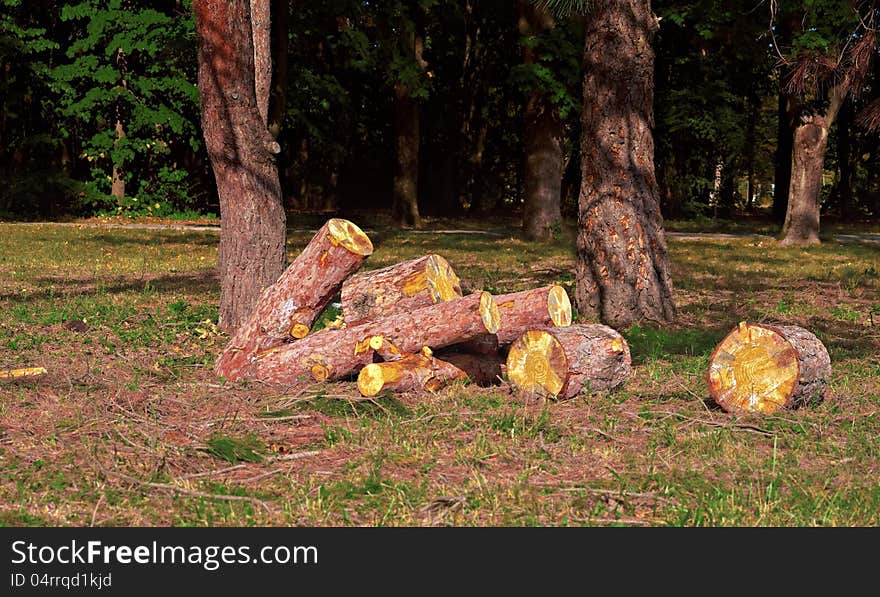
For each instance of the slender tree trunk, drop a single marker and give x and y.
(782, 160)
(405, 198)
(543, 141)
(252, 221)
(117, 177)
(623, 273)
(405, 202)
(261, 26)
(807, 166)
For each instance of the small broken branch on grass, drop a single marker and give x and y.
(710, 423)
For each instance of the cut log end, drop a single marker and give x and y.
(443, 284)
(320, 372)
(345, 233)
(763, 369)
(299, 330)
(559, 307)
(370, 380)
(537, 364)
(489, 312)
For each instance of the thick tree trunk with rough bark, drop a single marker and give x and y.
(560, 362)
(261, 27)
(405, 196)
(333, 354)
(420, 372)
(288, 308)
(801, 225)
(623, 272)
(543, 141)
(763, 369)
(252, 219)
(398, 288)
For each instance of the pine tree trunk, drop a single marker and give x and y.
(801, 225)
(261, 26)
(543, 142)
(763, 369)
(252, 220)
(333, 354)
(288, 308)
(623, 272)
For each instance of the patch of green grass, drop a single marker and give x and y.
(248, 448)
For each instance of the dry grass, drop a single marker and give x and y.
(129, 427)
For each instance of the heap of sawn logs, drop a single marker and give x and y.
(408, 327)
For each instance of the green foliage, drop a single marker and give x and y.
(132, 67)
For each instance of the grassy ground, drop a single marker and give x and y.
(129, 427)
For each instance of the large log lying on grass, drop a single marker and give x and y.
(333, 354)
(398, 288)
(414, 372)
(763, 368)
(560, 362)
(533, 309)
(287, 309)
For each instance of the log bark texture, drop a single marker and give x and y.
(333, 354)
(287, 309)
(763, 368)
(398, 288)
(518, 312)
(560, 362)
(414, 372)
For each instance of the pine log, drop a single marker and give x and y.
(764, 368)
(560, 362)
(398, 288)
(533, 309)
(414, 372)
(288, 308)
(482, 369)
(333, 354)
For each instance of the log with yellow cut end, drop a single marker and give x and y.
(560, 362)
(398, 288)
(288, 308)
(333, 354)
(538, 308)
(22, 373)
(413, 372)
(764, 368)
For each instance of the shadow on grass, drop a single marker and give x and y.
(205, 281)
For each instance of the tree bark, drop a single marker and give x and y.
(623, 272)
(252, 220)
(543, 142)
(261, 27)
(763, 369)
(518, 312)
(288, 308)
(117, 178)
(333, 354)
(801, 225)
(405, 201)
(398, 288)
(420, 372)
(560, 362)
